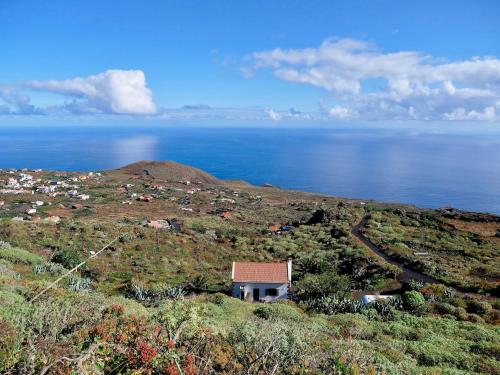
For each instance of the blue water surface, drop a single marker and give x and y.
(428, 170)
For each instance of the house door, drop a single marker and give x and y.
(256, 294)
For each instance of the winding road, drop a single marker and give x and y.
(406, 274)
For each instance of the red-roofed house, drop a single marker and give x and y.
(266, 282)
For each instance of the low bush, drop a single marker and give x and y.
(17, 255)
(54, 269)
(460, 313)
(458, 302)
(414, 302)
(9, 345)
(334, 305)
(278, 311)
(474, 318)
(218, 298)
(67, 258)
(329, 284)
(478, 307)
(444, 308)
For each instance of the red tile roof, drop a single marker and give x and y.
(260, 272)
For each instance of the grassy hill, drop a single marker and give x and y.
(156, 301)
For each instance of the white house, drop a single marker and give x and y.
(265, 282)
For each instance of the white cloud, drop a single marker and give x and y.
(16, 103)
(291, 114)
(341, 112)
(416, 86)
(273, 115)
(489, 113)
(110, 92)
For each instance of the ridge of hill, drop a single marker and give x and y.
(168, 171)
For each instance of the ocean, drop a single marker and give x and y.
(421, 168)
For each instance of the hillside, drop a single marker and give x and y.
(157, 300)
(166, 171)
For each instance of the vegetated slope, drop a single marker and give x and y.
(427, 243)
(123, 310)
(167, 171)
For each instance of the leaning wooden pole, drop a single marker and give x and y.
(73, 269)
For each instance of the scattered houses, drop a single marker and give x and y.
(73, 193)
(261, 282)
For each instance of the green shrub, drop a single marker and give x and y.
(479, 307)
(415, 285)
(458, 302)
(334, 305)
(323, 285)
(218, 299)
(9, 345)
(54, 269)
(414, 302)
(7, 272)
(444, 308)
(460, 313)
(474, 318)
(17, 255)
(67, 258)
(278, 311)
(486, 348)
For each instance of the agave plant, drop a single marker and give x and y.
(156, 295)
(4, 245)
(39, 268)
(78, 284)
(334, 305)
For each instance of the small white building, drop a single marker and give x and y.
(369, 298)
(261, 282)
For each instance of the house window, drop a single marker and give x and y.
(272, 292)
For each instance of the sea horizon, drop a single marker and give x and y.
(428, 169)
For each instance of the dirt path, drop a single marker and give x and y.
(406, 274)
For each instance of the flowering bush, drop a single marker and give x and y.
(136, 344)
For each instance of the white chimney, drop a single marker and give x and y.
(289, 270)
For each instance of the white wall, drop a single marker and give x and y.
(249, 287)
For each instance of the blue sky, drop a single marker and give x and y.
(329, 61)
